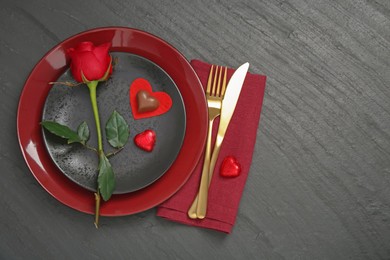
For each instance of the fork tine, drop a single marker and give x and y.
(224, 83)
(218, 91)
(208, 89)
(214, 81)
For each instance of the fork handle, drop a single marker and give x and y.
(192, 212)
(202, 204)
(204, 181)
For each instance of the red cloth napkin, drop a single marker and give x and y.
(224, 193)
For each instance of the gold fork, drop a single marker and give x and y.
(215, 92)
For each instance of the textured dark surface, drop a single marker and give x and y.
(319, 183)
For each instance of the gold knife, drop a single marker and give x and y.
(229, 102)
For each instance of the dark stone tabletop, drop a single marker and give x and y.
(319, 183)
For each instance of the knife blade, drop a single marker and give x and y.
(229, 103)
(230, 99)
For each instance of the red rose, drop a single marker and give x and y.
(92, 62)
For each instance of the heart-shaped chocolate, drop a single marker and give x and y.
(146, 140)
(141, 84)
(230, 167)
(146, 102)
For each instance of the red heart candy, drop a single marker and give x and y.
(230, 167)
(164, 100)
(146, 140)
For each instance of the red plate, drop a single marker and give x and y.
(54, 63)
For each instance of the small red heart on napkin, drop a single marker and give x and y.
(146, 140)
(164, 100)
(230, 167)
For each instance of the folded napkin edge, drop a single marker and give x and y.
(178, 216)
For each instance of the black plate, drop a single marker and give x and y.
(133, 167)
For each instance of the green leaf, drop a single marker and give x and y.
(83, 132)
(117, 130)
(106, 178)
(61, 131)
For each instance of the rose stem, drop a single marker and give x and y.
(92, 93)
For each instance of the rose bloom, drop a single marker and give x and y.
(92, 62)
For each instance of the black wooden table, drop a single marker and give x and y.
(319, 184)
